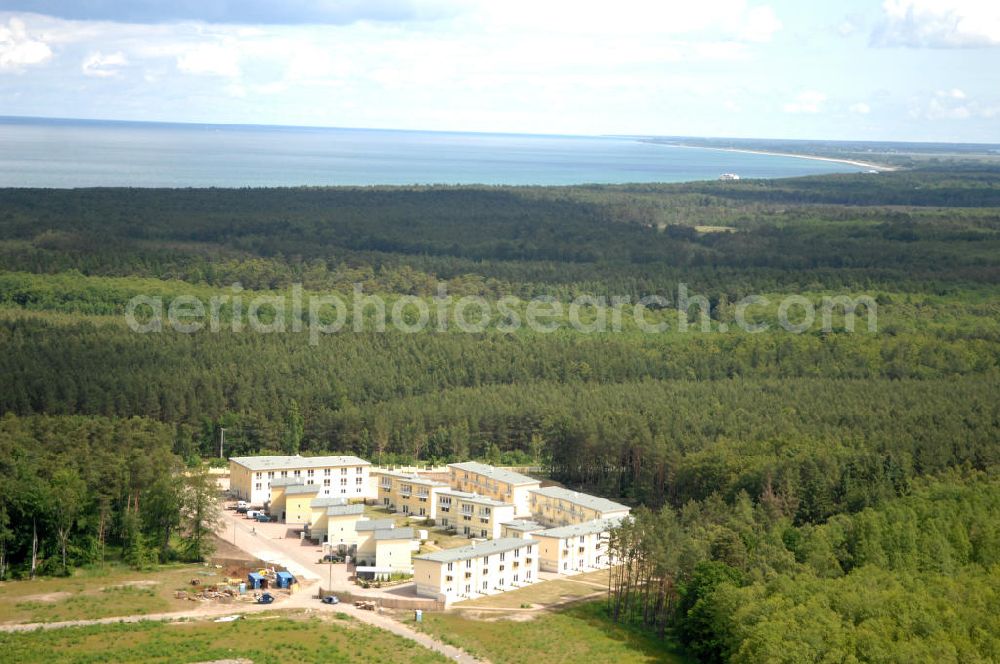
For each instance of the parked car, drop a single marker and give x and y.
(332, 558)
(242, 503)
(331, 599)
(261, 517)
(252, 514)
(266, 598)
(241, 510)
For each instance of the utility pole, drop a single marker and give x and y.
(222, 440)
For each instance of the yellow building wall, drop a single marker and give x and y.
(277, 504)
(394, 554)
(343, 529)
(297, 509)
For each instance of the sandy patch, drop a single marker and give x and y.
(48, 597)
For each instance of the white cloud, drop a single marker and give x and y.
(18, 48)
(210, 59)
(939, 24)
(954, 105)
(103, 66)
(809, 101)
(861, 108)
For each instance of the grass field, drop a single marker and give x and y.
(544, 593)
(263, 638)
(99, 593)
(577, 634)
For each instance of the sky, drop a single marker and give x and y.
(906, 70)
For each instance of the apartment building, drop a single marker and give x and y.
(383, 548)
(483, 568)
(520, 528)
(577, 548)
(554, 506)
(408, 493)
(471, 514)
(339, 526)
(497, 483)
(251, 478)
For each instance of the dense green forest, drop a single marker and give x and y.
(786, 474)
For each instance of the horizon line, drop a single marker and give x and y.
(44, 118)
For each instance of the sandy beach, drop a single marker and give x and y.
(859, 164)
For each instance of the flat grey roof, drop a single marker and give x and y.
(375, 524)
(487, 548)
(409, 477)
(328, 501)
(474, 498)
(585, 528)
(286, 481)
(290, 462)
(393, 534)
(494, 473)
(521, 524)
(344, 510)
(582, 499)
(296, 489)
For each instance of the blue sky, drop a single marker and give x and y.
(855, 69)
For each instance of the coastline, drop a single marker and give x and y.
(860, 164)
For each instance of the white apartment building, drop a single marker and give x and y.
(472, 515)
(496, 483)
(580, 547)
(483, 568)
(554, 506)
(346, 476)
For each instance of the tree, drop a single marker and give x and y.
(68, 493)
(135, 552)
(162, 511)
(294, 428)
(199, 513)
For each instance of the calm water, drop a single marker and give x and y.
(63, 153)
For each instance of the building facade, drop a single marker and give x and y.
(497, 483)
(251, 478)
(472, 515)
(407, 493)
(581, 547)
(484, 568)
(554, 506)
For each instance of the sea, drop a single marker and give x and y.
(91, 153)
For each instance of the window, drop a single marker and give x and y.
(270, 474)
(450, 566)
(309, 473)
(343, 490)
(257, 485)
(502, 556)
(343, 471)
(358, 470)
(482, 533)
(486, 585)
(359, 480)
(468, 563)
(326, 471)
(343, 481)
(527, 575)
(515, 578)
(326, 482)
(297, 473)
(529, 548)
(284, 473)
